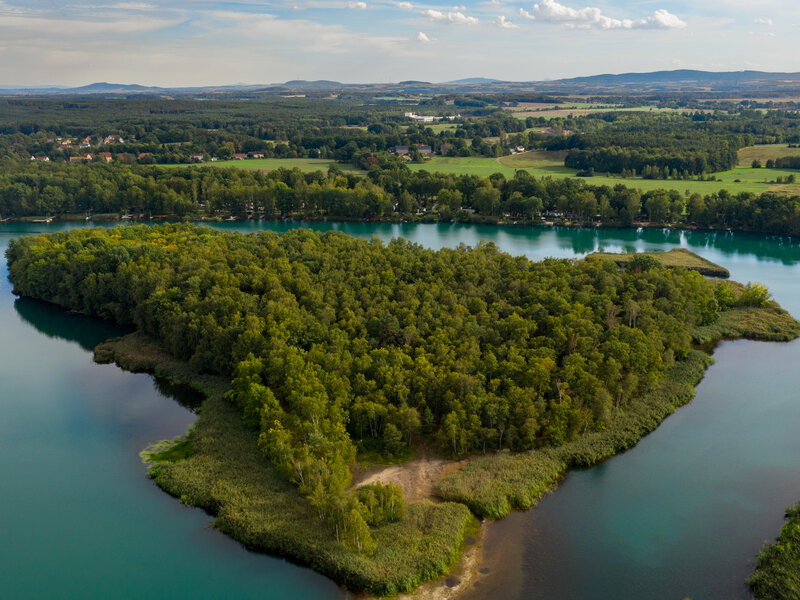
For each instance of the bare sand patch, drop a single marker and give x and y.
(417, 477)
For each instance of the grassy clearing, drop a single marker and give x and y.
(541, 164)
(777, 575)
(677, 257)
(270, 164)
(494, 485)
(764, 152)
(222, 470)
(439, 127)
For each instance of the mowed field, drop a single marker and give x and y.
(551, 164)
(764, 152)
(270, 164)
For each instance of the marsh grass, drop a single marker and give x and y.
(676, 257)
(218, 467)
(769, 323)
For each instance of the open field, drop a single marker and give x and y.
(270, 164)
(764, 152)
(550, 164)
(580, 109)
(437, 127)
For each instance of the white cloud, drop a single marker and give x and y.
(551, 11)
(405, 5)
(662, 19)
(422, 37)
(504, 23)
(763, 21)
(357, 5)
(457, 18)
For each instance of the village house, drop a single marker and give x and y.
(255, 154)
(106, 156)
(239, 156)
(80, 158)
(113, 139)
(145, 154)
(424, 149)
(197, 157)
(400, 150)
(41, 158)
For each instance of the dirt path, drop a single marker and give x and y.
(418, 477)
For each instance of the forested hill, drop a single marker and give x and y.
(333, 341)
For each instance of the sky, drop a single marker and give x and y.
(212, 42)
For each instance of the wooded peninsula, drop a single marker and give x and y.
(318, 352)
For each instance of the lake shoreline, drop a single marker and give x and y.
(135, 353)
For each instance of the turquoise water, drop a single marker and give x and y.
(683, 514)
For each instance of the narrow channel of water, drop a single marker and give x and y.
(680, 515)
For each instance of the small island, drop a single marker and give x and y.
(322, 357)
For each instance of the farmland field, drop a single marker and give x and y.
(551, 164)
(765, 152)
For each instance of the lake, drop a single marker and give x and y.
(681, 515)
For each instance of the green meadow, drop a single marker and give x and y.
(550, 164)
(743, 178)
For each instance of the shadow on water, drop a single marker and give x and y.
(185, 395)
(55, 322)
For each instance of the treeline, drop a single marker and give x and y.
(333, 342)
(390, 191)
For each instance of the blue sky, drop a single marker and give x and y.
(205, 42)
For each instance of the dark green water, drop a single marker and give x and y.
(683, 514)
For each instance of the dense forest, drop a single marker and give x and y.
(390, 190)
(336, 345)
(646, 142)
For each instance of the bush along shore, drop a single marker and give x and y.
(310, 347)
(777, 574)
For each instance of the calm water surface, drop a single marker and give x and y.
(681, 515)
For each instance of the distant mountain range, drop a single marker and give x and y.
(683, 80)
